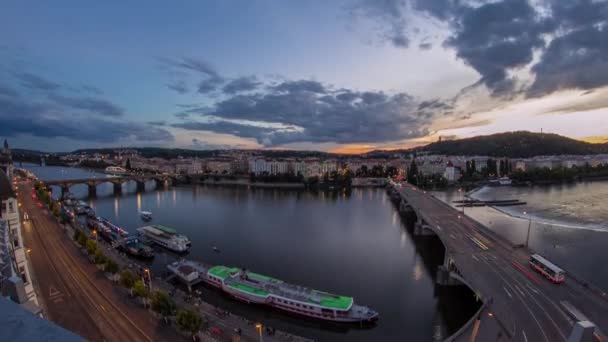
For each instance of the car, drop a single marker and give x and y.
(39, 205)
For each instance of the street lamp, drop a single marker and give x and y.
(95, 234)
(529, 225)
(258, 328)
(149, 278)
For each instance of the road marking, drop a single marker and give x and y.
(507, 292)
(104, 309)
(518, 289)
(525, 337)
(474, 257)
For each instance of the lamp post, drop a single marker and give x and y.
(95, 234)
(529, 225)
(258, 328)
(147, 271)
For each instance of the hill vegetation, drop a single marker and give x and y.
(520, 144)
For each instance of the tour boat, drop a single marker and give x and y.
(165, 237)
(256, 288)
(146, 215)
(115, 170)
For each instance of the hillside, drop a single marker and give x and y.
(521, 144)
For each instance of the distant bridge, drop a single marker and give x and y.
(117, 181)
(518, 304)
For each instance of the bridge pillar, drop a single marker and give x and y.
(117, 188)
(159, 183)
(92, 189)
(447, 274)
(65, 189)
(141, 186)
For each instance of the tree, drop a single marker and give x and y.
(77, 234)
(99, 257)
(189, 321)
(163, 304)
(111, 266)
(127, 279)
(128, 164)
(413, 173)
(139, 290)
(82, 239)
(91, 246)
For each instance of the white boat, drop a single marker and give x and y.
(165, 237)
(115, 170)
(146, 215)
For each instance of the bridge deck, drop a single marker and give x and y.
(522, 306)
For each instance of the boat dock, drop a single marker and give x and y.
(188, 272)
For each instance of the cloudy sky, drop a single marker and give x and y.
(346, 75)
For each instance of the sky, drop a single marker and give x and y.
(342, 76)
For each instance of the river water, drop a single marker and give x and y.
(568, 223)
(347, 243)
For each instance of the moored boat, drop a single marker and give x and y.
(165, 237)
(252, 287)
(134, 247)
(146, 215)
(115, 170)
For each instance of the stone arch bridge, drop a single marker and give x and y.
(118, 181)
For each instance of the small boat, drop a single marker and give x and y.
(134, 247)
(146, 215)
(115, 171)
(215, 249)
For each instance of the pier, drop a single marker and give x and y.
(518, 304)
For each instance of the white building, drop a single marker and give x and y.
(219, 166)
(15, 278)
(451, 173)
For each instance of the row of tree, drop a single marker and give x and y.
(188, 321)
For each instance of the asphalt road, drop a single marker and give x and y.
(75, 293)
(524, 306)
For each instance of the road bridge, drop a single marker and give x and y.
(518, 304)
(117, 182)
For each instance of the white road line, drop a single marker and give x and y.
(525, 337)
(474, 257)
(518, 289)
(507, 292)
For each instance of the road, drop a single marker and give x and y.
(75, 293)
(523, 306)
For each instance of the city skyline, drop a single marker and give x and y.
(348, 76)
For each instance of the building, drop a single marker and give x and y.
(451, 173)
(6, 160)
(15, 278)
(219, 166)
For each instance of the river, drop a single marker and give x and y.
(347, 243)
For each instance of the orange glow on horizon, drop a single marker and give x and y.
(596, 139)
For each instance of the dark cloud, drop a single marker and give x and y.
(157, 123)
(182, 115)
(578, 58)
(93, 105)
(211, 77)
(496, 37)
(425, 46)
(241, 84)
(42, 120)
(179, 86)
(390, 14)
(308, 111)
(205, 145)
(7, 91)
(35, 82)
(301, 86)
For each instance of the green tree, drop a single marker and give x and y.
(91, 246)
(127, 279)
(82, 239)
(163, 304)
(128, 164)
(139, 290)
(189, 321)
(99, 257)
(111, 266)
(412, 174)
(77, 234)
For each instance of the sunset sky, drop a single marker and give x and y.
(343, 76)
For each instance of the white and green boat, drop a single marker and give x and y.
(252, 287)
